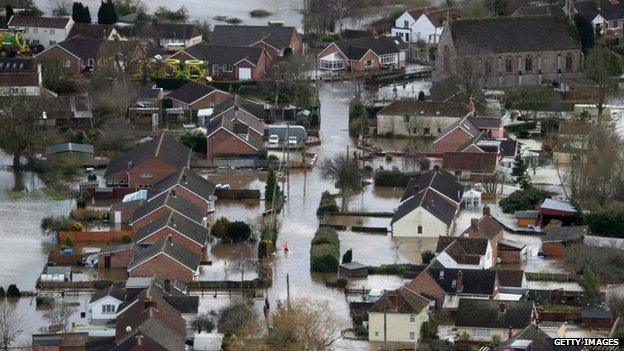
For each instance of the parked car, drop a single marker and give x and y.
(273, 141)
(292, 141)
(374, 295)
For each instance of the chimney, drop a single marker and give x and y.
(129, 164)
(149, 304)
(460, 281)
(436, 167)
(170, 239)
(486, 211)
(510, 333)
(172, 221)
(167, 286)
(502, 307)
(474, 223)
(173, 192)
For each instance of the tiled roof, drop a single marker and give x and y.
(90, 30)
(430, 200)
(186, 179)
(181, 224)
(173, 202)
(41, 22)
(486, 122)
(18, 72)
(191, 92)
(439, 16)
(538, 339)
(178, 252)
(83, 48)
(607, 9)
(425, 108)
(485, 227)
(471, 246)
(112, 290)
(564, 234)
(255, 108)
(277, 37)
(494, 313)
(223, 55)
(540, 10)
(510, 277)
(475, 281)
(482, 162)
(168, 30)
(464, 124)
(437, 179)
(355, 48)
(402, 300)
(508, 147)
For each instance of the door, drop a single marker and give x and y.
(107, 261)
(244, 73)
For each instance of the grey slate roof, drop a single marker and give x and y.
(538, 338)
(255, 108)
(607, 9)
(425, 108)
(181, 224)
(81, 47)
(36, 21)
(90, 30)
(112, 290)
(354, 49)
(402, 300)
(438, 179)
(186, 179)
(223, 55)
(471, 246)
(178, 252)
(475, 281)
(277, 37)
(169, 30)
(191, 92)
(513, 34)
(565, 234)
(434, 203)
(487, 314)
(510, 277)
(173, 202)
(508, 147)
(163, 146)
(183, 303)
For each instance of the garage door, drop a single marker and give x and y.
(244, 73)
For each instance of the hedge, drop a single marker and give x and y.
(393, 178)
(326, 236)
(607, 222)
(523, 200)
(328, 204)
(520, 127)
(325, 251)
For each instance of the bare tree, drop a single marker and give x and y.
(60, 315)
(602, 65)
(344, 172)
(11, 324)
(471, 73)
(490, 183)
(60, 7)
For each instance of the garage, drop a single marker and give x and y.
(244, 73)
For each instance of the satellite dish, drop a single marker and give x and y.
(128, 329)
(209, 79)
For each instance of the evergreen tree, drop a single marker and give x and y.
(271, 188)
(80, 13)
(9, 12)
(348, 256)
(107, 13)
(585, 31)
(519, 171)
(421, 96)
(86, 15)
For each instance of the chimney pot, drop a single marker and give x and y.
(460, 281)
(486, 211)
(474, 223)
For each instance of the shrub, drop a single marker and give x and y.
(607, 222)
(263, 154)
(348, 256)
(520, 127)
(126, 239)
(69, 242)
(2, 293)
(342, 282)
(328, 204)
(238, 231)
(325, 251)
(427, 256)
(522, 200)
(326, 236)
(203, 322)
(232, 318)
(393, 178)
(265, 247)
(194, 140)
(13, 291)
(220, 227)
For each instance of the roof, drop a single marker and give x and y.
(69, 147)
(90, 30)
(510, 277)
(277, 37)
(183, 303)
(175, 203)
(355, 49)
(513, 34)
(510, 245)
(255, 108)
(437, 179)
(464, 124)
(480, 313)
(508, 148)
(564, 234)
(180, 224)
(607, 9)
(118, 248)
(526, 214)
(187, 179)
(159, 30)
(484, 227)
(162, 146)
(224, 54)
(475, 281)
(593, 313)
(178, 252)
(471, 246)
(539, 340)
(37, 21)
(482, 162)
(550, 204)
(402, 300)
(191, 92)
(425, 108)
(540, 10)
(575, 127)
(82, 47)
(68, 340)
(16, 65)
(112, 290)
(486, 122)
(448, 90)
(439, 206)
(137, 340)
(353, 265)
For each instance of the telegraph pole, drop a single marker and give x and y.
(288, 290)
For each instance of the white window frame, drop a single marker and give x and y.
(387, 59)
(368, 63)
(66, 63)
(228, 68)
(108, 309)
(52, 32)
(412, 336)
(481, 333)
(412, 318)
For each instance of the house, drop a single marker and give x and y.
(486, 320)
(510, 251)
(486, 227)
(78, 55)
(400, 314)
(529, 50)
(278, 41)
(192, 97)
(165, 204)
(474, 166)
(511, 279)
(182, 231)
(117, 256)
(229, 62)
(598, 318)
(60, 342)
(122, 212)
(104, 303)
(166, 260)
(428, 206)
(94, 31)
(447, 285)
(146, 113)
(448, 90)
(492, 126)
(234, 131)
(147, 164)
(20, 77)
(423, 25)
(606, 16)
(188, 185)
(363, 54)
(464, 252)
(419, 118)
(45, 31)
(559, 210)
(168, 35)
(533, 337)
(454, 137)
(78, 152)
(556, 239)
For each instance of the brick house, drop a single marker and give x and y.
(474, 166)
(44, 31)
(147, 164)
(461, 133)
(486, 227)
(77, 55)
(419, 118)
(166, 260)
(20, 77)
(363, 54)
(94, 31)
(117, 256)
(163, 205)
(188, 185)
(192, 97)
(234, 130)
(182, 231)
(229, 62)
(278, 41)
(529, 50)
(168, 35)
(556, 239)
(464, 252)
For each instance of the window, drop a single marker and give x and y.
(405, 24)
(332, 65)
(215, 69)
(369, 63)
(412, 318)
(228, 68)
(412, 336)
(108, 308)
(481, 333)
(26, 30)
(509, 65)
(386, 59)
(569, 62)
(407, 37)
(614, 24)
(147, 175)
(528, 64)
(35, 30)
(66, 63)
(52, 32)
(439, 130)
(35, 42)
(52, 42)
(89, 62)
(420, 229)
(426, 131)
(376, 334)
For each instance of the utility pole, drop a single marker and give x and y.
(385, 329)
(288, 290)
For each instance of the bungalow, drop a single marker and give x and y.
(419, 118)
(147, 164)
(94, 31)
(44, 31)
(401, 314)
(278, 41)
(487, 320)
(104, 303)
(166, 260)
(556, 239)
(428, 206)
(423, 25)
(474, 166)
(164, 204)
(20, 77)
(363, 54)
(168, 35)
(188, 185)
(229, 62)
(234, 131)
(458, 134)
(180, 229)
(193, 96)
(77, 55)
(464, 252)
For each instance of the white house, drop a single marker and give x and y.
(46, 31)
(419, 118)
(105, 302)
(405, 311)
(423, 25)
(464, 252)
(428, 206)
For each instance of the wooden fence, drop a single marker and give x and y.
(86, 236)
(237, 194)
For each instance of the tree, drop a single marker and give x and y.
(59, 316)
(585, 30)
(476, 9)
(471, 75)
(194, 140)
(13, 291)
(529, 99)
(106, 13)
(203, 322)
(60, 7)
(348, 256)
(232, 318)
(421, 96)
(80, 13)
(127, 7)
(238, 231)
(344, 172)
(427, 256)
(602, 65)
(164, 14)
(519, 172)
(2, 293)
(69, 242)
(271, 189)
(8, 12)
(11, 324)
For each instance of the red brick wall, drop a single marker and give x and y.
(424, 284)
(509, 256)
(554, 249)
(296, 44)
(163, 211)
(222, 143)
(163, 267)
(360, 66)
(157, 167)
(451, 142)
(120, 259)
(210, 100)
(57, 54)
(177, 239)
